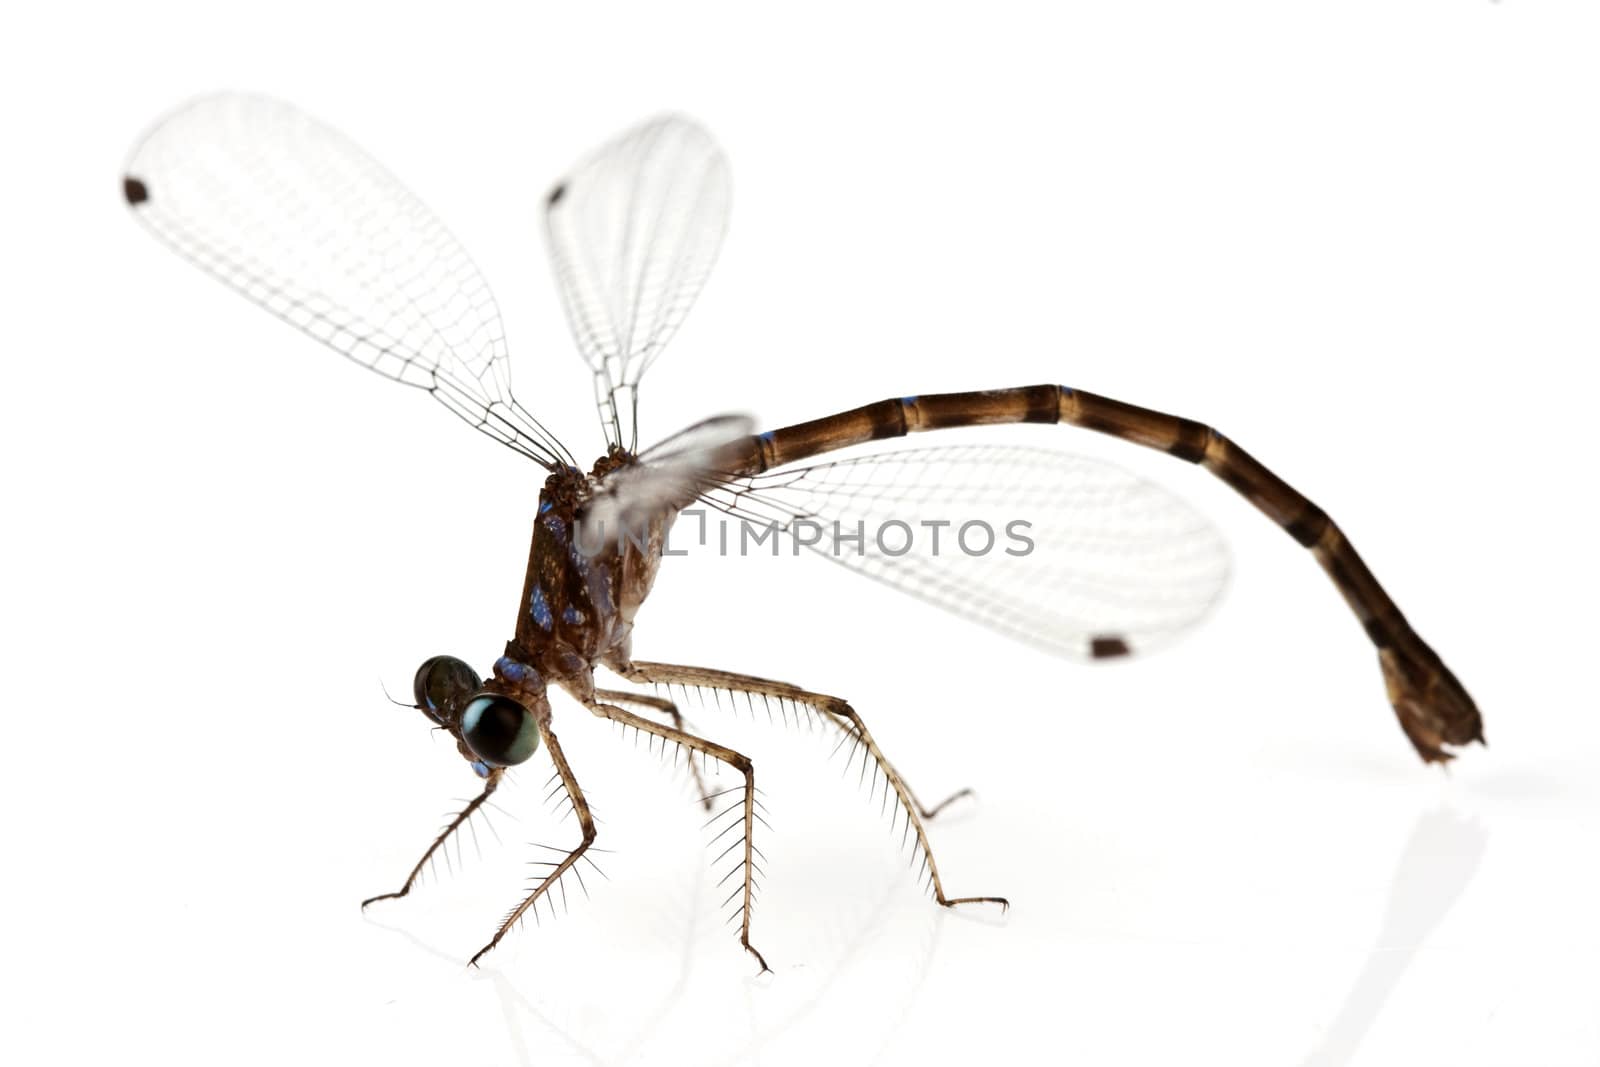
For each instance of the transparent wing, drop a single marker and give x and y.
(305, 224)
(634, 231)
(1066, 553)
(663, 480)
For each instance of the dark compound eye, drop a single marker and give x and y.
(443, 686)
(499, 731)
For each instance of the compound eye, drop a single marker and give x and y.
(498, 730)
(443, 684)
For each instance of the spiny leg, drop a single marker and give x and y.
(836, 711)
(618, 696)
(460, 820)
(623, 697)
(739, 762)
(933, 812)
(580, 808)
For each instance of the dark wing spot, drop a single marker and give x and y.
(133, 190)
(555, 195)
(1108, 646)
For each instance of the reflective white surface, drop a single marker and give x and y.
(1361, 243)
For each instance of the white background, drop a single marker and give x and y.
(1361, 238)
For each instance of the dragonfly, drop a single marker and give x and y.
(304, 223)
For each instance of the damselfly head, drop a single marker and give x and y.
(492, 728)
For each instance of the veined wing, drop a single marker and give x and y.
(307, 225)
(634, 231)
(1067, 553)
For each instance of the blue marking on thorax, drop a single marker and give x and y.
(544, 506)
(539, 609)
(480, 768)
(572, 615)
(557, 528)
(515, 672)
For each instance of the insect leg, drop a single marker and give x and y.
(661, 704)
(844, 717)
(580, 808)
(739, 762)
(451, 827)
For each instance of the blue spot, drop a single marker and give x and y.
(767, 437)
(539, 609)
(480, 768)
(572, 615)
(544, 506)
(1066, 390)
(556, 527)
(516, 673)
(908, 401)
